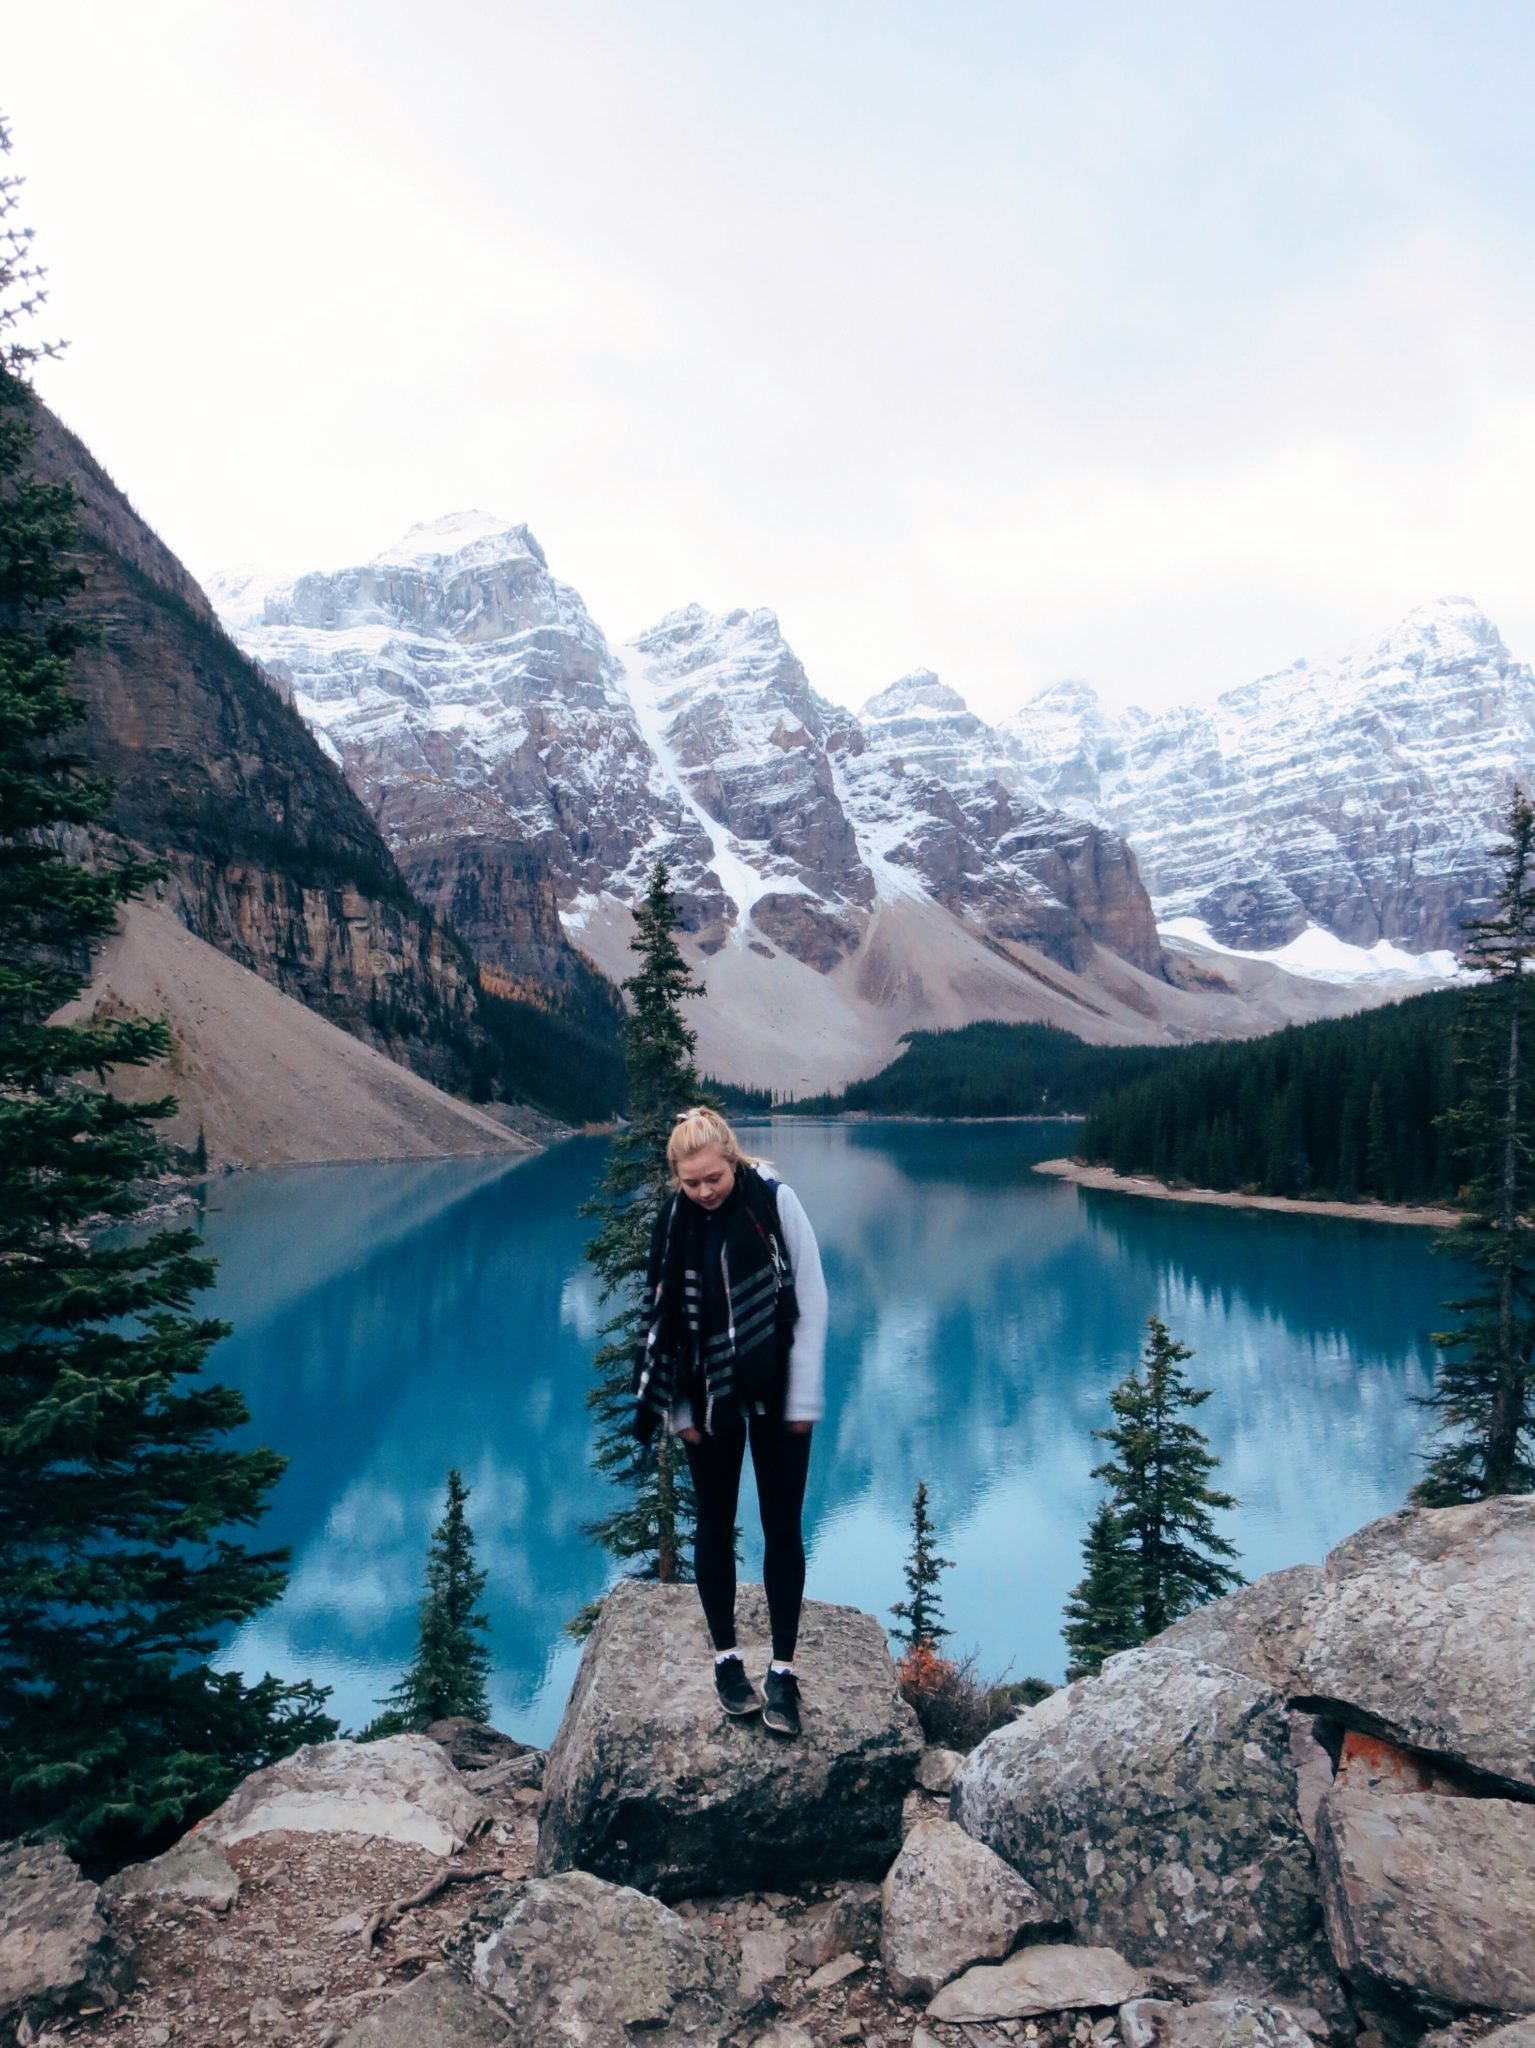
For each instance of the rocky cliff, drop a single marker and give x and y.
(272, 857)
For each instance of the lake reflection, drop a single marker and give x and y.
(392, 1321)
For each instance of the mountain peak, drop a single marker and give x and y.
(484, 535)
(918, 695)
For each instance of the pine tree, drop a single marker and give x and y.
(651, 1531)
(1103, 1609)
(118, 1574)
(1158, 1486)
(922, 1609)
(1484, 1391)
(448, 1673)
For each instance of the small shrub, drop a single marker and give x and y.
(955, 1707)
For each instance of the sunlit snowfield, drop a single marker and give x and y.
(391, 1321)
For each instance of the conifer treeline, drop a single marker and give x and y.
(1338, 1110)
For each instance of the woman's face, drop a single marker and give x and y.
(706, 1177)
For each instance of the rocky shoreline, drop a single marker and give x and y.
(1304, 1815)
(1108, 1181)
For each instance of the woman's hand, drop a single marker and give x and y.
(691, 1436)
(802, 1428)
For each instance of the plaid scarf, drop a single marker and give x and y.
(737, 1363)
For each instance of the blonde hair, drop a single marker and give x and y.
(696, 1129)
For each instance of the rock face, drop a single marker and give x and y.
(1155, 1805)
(600, 1965)
(1359, 795)
(948, 1902)
(402, 1789)
(272, 857)
(649, 1783)
(55, 1947)
(1430, 1900)
(1425, 1632)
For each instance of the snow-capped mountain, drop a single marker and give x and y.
(481, 713)
(1357, 797)
(842, 878)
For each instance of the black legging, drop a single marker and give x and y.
(781, 1460)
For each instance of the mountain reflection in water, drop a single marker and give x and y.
(392, 1321)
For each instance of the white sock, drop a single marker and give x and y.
(721, 1655)
(776, 1666)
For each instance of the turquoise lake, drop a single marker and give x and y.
(392, 1321)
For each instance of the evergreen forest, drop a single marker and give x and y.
(1347, 1108)
(993, 1070)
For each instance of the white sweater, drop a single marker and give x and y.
(806, 1398)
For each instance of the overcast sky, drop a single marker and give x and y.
(1152, 344)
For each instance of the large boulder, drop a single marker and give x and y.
(649, 1783)
(56, 1950)
(1155, 1805)
(1424, 1631)
(1263, 1629)
(1430, 1900)
(949, 1901)
(599, 1965)
(401, 1790)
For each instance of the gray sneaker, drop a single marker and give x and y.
(737, 1693)
(780, 1702)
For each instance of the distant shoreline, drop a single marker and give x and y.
(1110, 1182)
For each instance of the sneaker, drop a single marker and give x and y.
(737, 1693)
(780, 1702)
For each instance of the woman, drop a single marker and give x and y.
(734, 1353)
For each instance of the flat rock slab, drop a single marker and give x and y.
(1214, 2023)
(1155, 1806)
(949, 1901)
(400, 1790)
(55, 1947)
(935, 1772)
(650, 1783)
(1431, 1900)
(437, 2011)
(598, 1965)
(1425, 1633)
(194, 1871)
(1051, 1978)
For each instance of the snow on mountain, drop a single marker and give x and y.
(845, 878)
(1357, 795)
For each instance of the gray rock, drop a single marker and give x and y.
(1313, 1767)
(55, 1946)
(764, 1960)
(1425, 1633)
(598, 1965)
(475, 1745)
(1155, 1805)
(1050, 1978)
(837, 1971)
(401, 1790)
(1263, 1629)
(849, 1919)
(1214, 2023)
(194, 1870)
(935, 1773)
(949, 1901)
(438, 2010)
(649, 1783)
(1431, 1900)
(784, 2035)
(1473, 2034)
